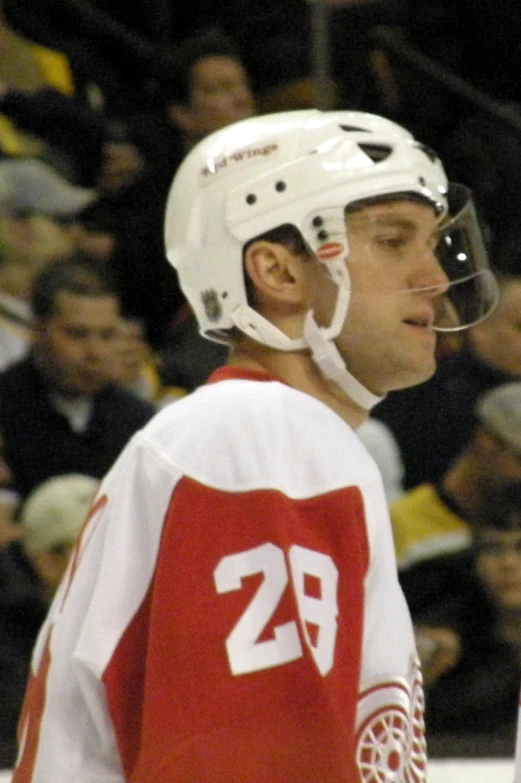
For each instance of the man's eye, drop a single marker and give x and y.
(76, 334)
(395, 243)
(108, 336)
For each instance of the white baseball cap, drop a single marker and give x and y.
(54, 511)
(29, 184)
(500, 411)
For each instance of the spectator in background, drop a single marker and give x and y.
(41, 115)
(210, 88)
(477, 694)
(59, 410)
(50, 519)
(433, 527)
(206, 89)
(38, 223)
(135, 367)
(28, 67)
(433, 518)
(432, 422)
(30, 571)
(9, 530)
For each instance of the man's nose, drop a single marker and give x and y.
(430, 276)
(97, 349)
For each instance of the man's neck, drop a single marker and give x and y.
(297, 369)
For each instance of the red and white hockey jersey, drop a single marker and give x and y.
(232, 610)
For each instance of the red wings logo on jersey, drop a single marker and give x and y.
(391, 731)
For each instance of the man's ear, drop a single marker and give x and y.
(275, 272)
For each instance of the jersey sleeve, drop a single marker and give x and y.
(243, 661)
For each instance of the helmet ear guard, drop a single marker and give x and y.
(302, 168)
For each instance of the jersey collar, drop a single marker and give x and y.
(230, 372)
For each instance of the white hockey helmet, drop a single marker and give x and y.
(301, 168)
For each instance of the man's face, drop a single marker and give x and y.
(220, 95)
(32, 240)
(501, 463)
(498, 565)
(387, 340)
(497, 340)
(51, 564)
(76, 345)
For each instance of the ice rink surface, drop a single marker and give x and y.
(449, 771)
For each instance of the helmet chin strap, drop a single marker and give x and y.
(318, 339)
(326, 356)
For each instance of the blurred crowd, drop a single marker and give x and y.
(99, 102)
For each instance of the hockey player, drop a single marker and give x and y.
(232, 612)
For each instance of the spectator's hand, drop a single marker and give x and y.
(439, 650)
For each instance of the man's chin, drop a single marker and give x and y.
(84, 389)
(414, 378)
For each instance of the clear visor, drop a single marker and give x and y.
(412, 254)
(472, 293)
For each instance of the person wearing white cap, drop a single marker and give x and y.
(51, 518)
(30, 571)
(432, 518)
(30, 185)
(38, 213)
(433, 523)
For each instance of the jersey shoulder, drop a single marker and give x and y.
(239, 435)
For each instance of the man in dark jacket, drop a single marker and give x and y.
(59, 413)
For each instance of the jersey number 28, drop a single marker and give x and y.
(245, 653)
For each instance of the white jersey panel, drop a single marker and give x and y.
(88, 618)
(242, 435)
(233, 436)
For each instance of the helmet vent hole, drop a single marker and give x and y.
(322, 235)
(280, 186)
(422, 181)
(376, 152)
(349, 128)
(318, 221)
(251, 198)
